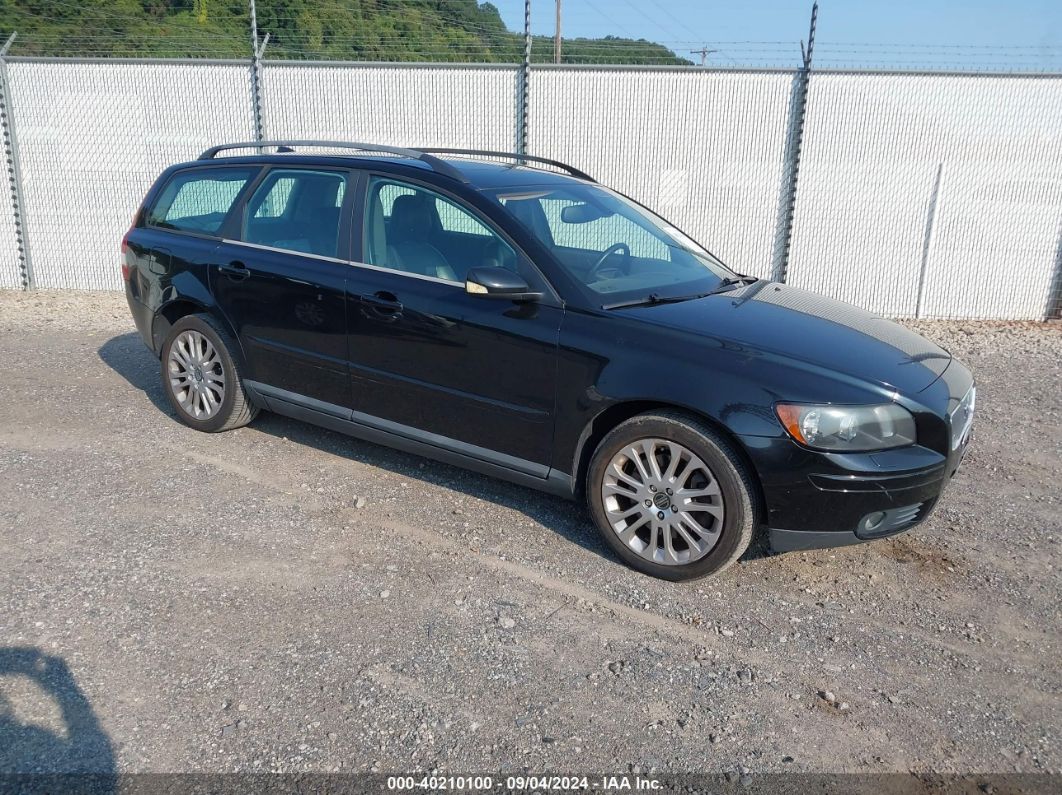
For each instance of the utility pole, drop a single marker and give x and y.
(703, 52)
(557, 36)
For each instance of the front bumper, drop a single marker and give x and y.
(816, 500)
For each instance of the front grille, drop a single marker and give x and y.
(962, 418)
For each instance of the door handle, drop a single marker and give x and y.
(383, 303)
(235, 270)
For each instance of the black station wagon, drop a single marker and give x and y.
(508, 314)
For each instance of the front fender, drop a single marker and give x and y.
(607, 363)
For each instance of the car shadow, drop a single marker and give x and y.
(127, 356)
(76, 757)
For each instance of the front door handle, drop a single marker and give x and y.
(383, 304)
(235, 270)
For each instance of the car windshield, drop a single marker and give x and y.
(612, 246)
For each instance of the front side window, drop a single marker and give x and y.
(610, 245)
(199, 200)
(415, 230)
(297, 210)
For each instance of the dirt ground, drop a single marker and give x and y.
(176, 601)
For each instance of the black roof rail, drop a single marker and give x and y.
(437, 164)
(510, 155)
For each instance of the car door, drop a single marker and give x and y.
(473, 374)
(280, 278)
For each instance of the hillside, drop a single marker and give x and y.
(377, 30)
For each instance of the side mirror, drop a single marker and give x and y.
(498, 283)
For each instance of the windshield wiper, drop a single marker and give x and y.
(740, 278)
(652, 299)
(729, 283)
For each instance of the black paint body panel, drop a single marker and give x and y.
(523, 390)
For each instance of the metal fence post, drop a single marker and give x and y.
(523, 81)
(798, 107)
(14, 170)
(256, 73)
(927, 246)
(1054, 293)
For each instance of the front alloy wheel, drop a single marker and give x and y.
(663, 502)
(672, 496)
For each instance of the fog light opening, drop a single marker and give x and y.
(873, 521)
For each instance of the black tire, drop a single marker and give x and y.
(235, 410)
(737, 485)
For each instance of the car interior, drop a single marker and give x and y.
(604, 250)
(412, 237)
(297, 211)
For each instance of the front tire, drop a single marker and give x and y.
(671, 496)
(200, 377)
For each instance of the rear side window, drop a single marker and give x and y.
(297, 210)
(199, 200)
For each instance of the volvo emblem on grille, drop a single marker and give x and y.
(962, 418)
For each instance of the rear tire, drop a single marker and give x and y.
(671, 496)
(201, 378)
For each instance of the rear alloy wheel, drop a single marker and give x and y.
(671, 496)
(201, 378)
(197, 378)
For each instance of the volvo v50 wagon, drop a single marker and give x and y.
(510, 315)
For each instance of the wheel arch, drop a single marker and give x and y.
(603, 422)
(172, 311)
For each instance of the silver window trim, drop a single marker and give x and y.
(425, 277)
(352, 263)
(285, 251)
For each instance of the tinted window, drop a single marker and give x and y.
(600, 233)
(199, 200)
(417, 231)
(612, 245)
(297, 210)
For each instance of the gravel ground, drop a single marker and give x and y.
(192, 602)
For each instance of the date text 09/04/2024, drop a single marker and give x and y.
(615, 783)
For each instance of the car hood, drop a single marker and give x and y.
(798, 324)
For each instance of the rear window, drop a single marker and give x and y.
(199, 200)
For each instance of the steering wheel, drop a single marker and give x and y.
(615, 248)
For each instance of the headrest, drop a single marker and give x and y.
(414, 214)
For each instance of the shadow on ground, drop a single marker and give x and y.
(127, 356)
(77, 757)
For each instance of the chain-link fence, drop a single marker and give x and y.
(933, 195)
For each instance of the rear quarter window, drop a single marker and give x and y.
(199, 200)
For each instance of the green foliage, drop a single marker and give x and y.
(374, 30)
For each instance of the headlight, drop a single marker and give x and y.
(848, 428)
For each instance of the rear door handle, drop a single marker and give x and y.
(235, 270)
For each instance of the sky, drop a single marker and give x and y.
(980, 34)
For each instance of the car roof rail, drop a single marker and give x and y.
(508, 155)
(435, 163)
